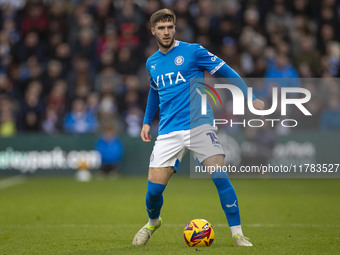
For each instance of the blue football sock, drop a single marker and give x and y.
(154, 199)
(228, 197)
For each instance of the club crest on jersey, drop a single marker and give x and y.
(179, 60)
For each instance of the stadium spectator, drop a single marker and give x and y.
(108, 41)
(108, 81)
(23, 74)
(330, 118)
(53, 73)
(108, 108)
(129, 12)
(131, 93)
(31, 46)
(331, 60)
(260, 67)
(9, 27)
(93, 103)
(110, 148)
(58, 18)
(103, 12)
(6, 85)
(281, 68)
(82, 91)
(7, 117)
(326, 34)
(5, 50)
(32, 108)
(58, 97)
(127, 62)
(35, 19)
(133, 119)
(229, 52)
(106, 59)
(279, 19)
(53, 41)
(82, 73)
(62, 54)
(85, 44)
(307, 59)
(78, 120)
(50, 123)
(82, 20)
(128, 37)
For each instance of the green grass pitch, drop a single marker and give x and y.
(62, 216)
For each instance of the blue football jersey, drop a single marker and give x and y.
(170, 74)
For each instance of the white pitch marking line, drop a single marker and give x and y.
(273, 225)
(270, 225)
(128, 225)
(12, 181)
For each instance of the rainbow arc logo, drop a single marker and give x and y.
(204, 96)
(209, 93)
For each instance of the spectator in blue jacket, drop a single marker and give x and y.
(280, 72)
(78, 120)
(110, 148)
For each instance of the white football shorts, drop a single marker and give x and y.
(170, 148)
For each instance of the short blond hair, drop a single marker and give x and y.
(162, 15)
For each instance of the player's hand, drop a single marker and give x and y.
(145, 133)
(258, 104)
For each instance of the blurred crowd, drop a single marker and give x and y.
(72, 66)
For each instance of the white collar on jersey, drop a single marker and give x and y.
(159, 50)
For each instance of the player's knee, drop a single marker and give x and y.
(155, 191)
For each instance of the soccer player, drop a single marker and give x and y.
(171, 68)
